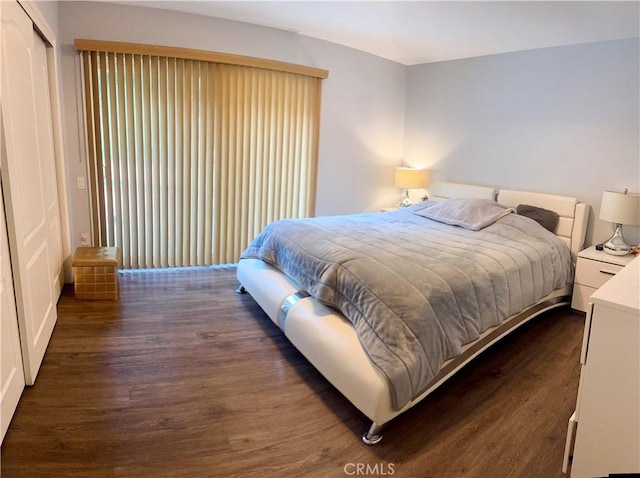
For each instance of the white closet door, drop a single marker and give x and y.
(11, 371)
(24, 172)
(47, 157)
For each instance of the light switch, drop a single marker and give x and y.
(81, 184)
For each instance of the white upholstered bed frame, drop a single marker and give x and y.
(328, 340)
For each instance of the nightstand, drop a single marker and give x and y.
(593, 269)
(389, 209)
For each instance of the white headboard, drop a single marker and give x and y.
(444, 190)
(573, 215)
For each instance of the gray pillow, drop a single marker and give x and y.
(474, 214)
(544, 217)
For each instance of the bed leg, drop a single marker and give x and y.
(241, 290)
(374, 435)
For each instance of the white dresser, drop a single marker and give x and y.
(604, 432)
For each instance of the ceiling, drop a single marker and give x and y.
(414, 32)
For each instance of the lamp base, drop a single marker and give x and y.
(615, 245)
(406, 202)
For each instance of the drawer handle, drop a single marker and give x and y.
(611, 273)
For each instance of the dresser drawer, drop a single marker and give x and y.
(570, 443)
(594, 273)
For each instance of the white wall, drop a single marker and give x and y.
(49, 10)
(561, 120)
(363, 107)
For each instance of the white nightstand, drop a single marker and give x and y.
(593, 269)
(389, 209)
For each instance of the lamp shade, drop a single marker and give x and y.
(620, 208)
(409, 178)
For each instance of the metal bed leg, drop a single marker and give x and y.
(241, 290)
(374, 435)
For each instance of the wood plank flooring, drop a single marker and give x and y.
(183, 377)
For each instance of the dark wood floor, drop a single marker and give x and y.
(183, 377)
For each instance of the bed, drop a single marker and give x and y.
(386, 372)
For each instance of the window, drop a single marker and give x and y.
(192, 153)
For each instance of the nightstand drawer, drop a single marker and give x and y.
(594, 273)
(581, 295)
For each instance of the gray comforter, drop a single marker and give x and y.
(416, 289)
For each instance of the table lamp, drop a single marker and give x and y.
(619, 208)
(408, 178)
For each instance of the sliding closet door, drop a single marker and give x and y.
(11, 371)
(44, 128)
(26, 168)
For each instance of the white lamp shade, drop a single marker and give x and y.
(620, 208)
(409, 178)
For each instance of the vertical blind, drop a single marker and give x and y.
(190, 158)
